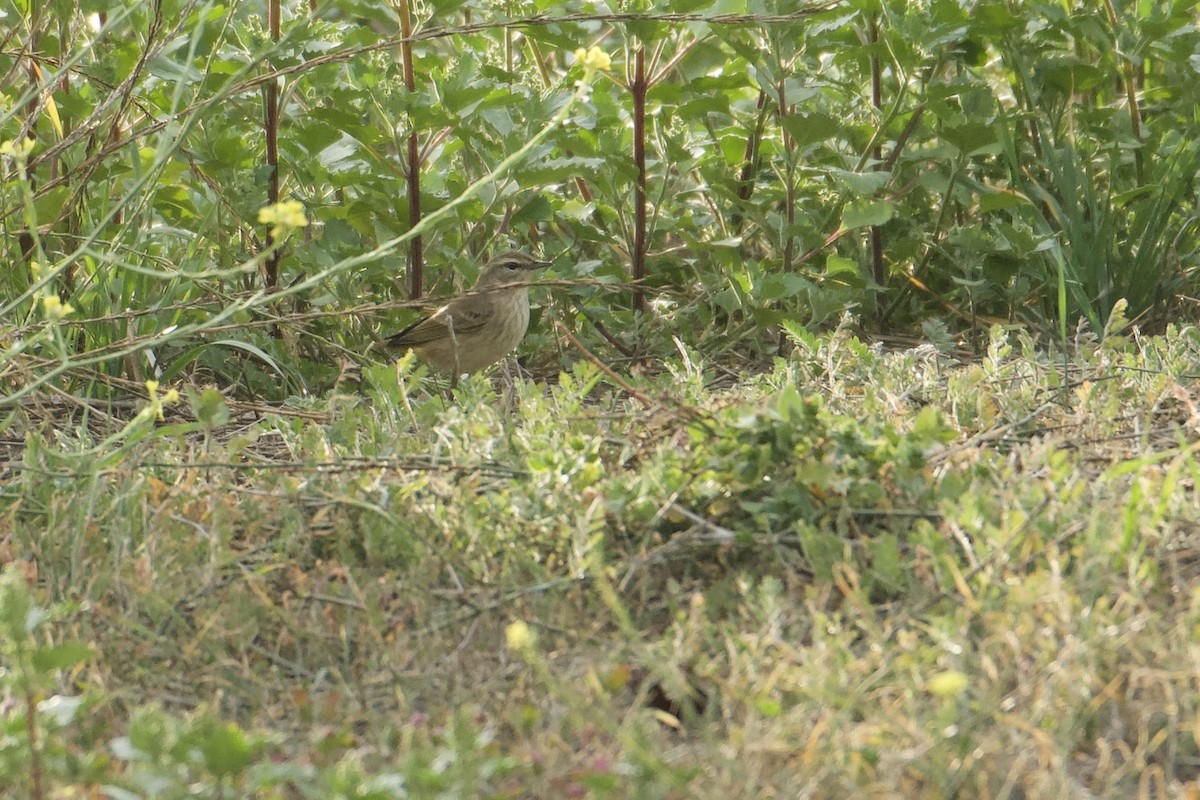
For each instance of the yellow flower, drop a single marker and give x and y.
(55, 308)
(155, 406)
(950, 683)
(593, 59)
(520, 637)
(17, 148)
(283, 217)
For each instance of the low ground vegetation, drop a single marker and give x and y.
(860, 572)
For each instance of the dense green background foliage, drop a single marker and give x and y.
(740, 548)
(1015, 162)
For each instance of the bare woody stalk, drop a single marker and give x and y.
(416, 252)
(877, 271)
(271, 129)
(638, 85)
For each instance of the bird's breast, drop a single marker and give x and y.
(514, 315)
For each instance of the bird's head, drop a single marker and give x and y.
(507, 268)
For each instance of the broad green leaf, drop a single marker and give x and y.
(863, 214)
(536, 210)
(835, 264)
(49, 205)
(809, 127)
(1000, 200)
(972, 138)
(861, 184)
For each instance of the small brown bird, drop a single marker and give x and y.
(479, 328)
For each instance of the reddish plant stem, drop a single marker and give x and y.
(638, 87)
(877, 270)
(416, 249)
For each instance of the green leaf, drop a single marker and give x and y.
(809, 127)
(790, 404)
(863, 214)
(1069, 75)
(1123, 199)
(536, 210)
(780, 285)
(254, 351)
(799, 334)
(822, 549)
(48, 206)
(768, 707)
(314, 136)
(929, 426)
(835, 264)
(1000, 200)
(972, 138)
(885, 561)
(60, 656)
(18, 615)
(647, 31)
(861, 184)
(226, 749)
(208, 405)
(993, 19)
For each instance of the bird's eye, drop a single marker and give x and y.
(512, 265)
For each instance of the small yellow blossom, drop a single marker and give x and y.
(950, 683)
(55, 308)
(520, 637)
(593, 59)
(154, 409)
(283, 217)
(17, 148)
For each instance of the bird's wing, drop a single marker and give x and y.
(464, 315)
